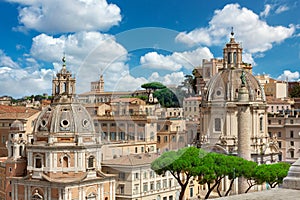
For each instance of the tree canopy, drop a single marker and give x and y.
(211, 168)
(272, 174)
(182, 164)
(295, 92)
(153, 86)
(166, 98)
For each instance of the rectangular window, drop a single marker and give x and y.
(191, 192)
(121, 188)
(279, 157)
(292, 143)
(292, 121)
(217, 124)
(291, 134)
(173, 138)
(122, 176)
(165, 185)
(136, 176)
(279, 121)
(261, 124)
(158, 185)
(165, 138)
(279, 134)
(292, 154)
(136, 189)
(112, 135)
(152, 186)
(38, 163)
(151, 174)
(279, 144)
(145, 187)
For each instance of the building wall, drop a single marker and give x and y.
(286, 129)
(140, 182)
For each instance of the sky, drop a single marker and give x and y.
(132, 42)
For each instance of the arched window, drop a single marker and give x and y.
(36, 196)
(234, 57)
(229, 57)
(65, 161)
(158, 139)
(91, 196)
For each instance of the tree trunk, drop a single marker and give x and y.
(181, 195)
(211, 189)
(230, 187)
(218, 190)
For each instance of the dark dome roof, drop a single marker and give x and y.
(224, 86)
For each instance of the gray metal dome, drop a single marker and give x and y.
(224, 86)
(17, 126)
(62, 119)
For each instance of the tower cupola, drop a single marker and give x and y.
(63, 85)
(232, 54)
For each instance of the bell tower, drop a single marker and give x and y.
(232, 54)
(63, 85)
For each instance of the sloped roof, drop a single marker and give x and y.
(133, 160)
(16, 112)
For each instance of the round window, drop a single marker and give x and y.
(64, 123)
(218, 93)
(85, 123)
(43, 123)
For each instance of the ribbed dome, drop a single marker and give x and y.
(224, 86)
(17, 126)
(64, 118)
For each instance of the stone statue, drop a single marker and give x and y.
(243, 78)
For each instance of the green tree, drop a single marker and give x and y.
(166, 98)
(190, 84)
(152, 87)
(182, 164)
(273, 174)
(215, 167)
(295, 92)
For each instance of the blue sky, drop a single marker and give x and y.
(136, 41)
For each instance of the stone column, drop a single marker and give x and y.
(244, 135)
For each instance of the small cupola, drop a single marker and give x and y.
(232, 54)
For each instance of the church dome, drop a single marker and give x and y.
(225, 85)
(17, 126)
(64, 119)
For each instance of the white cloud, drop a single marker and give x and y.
(174, 78)
(177, 60)
(281, 9)
(57, 16)
(256, 34)
(6, 61)
(266, 12)
(16, 81)
(87, 53)
(290, 76)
